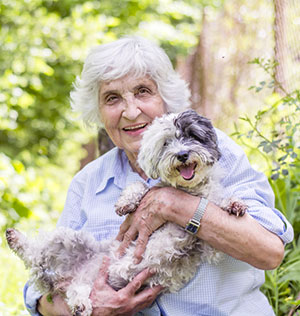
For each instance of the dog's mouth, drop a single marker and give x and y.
(187, 171)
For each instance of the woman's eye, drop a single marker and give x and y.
(111, 99)
(143, 90)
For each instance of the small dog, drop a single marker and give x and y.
(181, 150)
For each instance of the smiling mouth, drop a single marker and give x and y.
(135, 128)
(187, 171)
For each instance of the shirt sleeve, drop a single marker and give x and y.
(242, 181)
(31, 297)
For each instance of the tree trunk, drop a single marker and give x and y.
(96, 147)
(91, 150)
(194, 70)
(203, 60)
(281, 45)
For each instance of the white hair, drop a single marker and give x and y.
(129, 55)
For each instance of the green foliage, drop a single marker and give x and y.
(13, 274)
(282, 284)
(11, 184)
(273, 142)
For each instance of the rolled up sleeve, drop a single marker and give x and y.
(31, 297)
(242, 181)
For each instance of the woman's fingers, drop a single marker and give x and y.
(145, 297)
(128, 237)
(124, 227)
(141, 245)
(142, 223)
(132, 287)
(125, 235)
(142, 229)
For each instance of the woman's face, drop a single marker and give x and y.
(127, 106)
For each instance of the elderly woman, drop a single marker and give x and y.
(124, 85)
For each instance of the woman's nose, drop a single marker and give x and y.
(131, 108)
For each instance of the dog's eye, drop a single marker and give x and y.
(166, 143)
(197, 137)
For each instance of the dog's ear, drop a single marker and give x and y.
(148, 155)
(200, 128)
(152, 144)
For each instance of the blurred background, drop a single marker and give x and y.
(240, 57)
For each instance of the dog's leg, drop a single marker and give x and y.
(19, 243)
(130, 198)
(79, 290)
(77, 298)
(235, 207)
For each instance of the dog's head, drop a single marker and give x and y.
(179, 148)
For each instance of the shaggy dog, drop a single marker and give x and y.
(181, 150)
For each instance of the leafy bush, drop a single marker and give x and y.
(30, 198)
(272, 140)
(13, 278)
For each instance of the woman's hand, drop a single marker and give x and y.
(105, 300)
(126, 302)
(158, 206)
(56, 307)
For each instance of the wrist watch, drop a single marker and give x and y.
(193, 225)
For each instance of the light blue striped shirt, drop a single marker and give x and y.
(230, 288)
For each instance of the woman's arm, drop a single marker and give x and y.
(257, 238)
(240, 237)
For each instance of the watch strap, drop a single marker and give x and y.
(193, 225)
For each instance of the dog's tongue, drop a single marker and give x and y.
(187, 172)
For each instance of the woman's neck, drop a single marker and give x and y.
(132, 158)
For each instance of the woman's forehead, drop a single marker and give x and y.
(126, 82)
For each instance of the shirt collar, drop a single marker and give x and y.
(111, 167)
(116, 168)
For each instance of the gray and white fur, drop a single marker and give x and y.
(181, 150)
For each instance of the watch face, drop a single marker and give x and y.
(192, 228)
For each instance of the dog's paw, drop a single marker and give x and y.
(79, 310)
(12, 237)
(77, 298)
(235, 207)
(122, 210)
(130, 198)
(82, 310)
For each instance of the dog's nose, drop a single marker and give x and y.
(183, 156)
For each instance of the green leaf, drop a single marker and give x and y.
(285, 172)
(282, 158)
(294, 155)
(275, 176)
(50, 298)
(18, 165)
(20, 208)
(267, 148)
